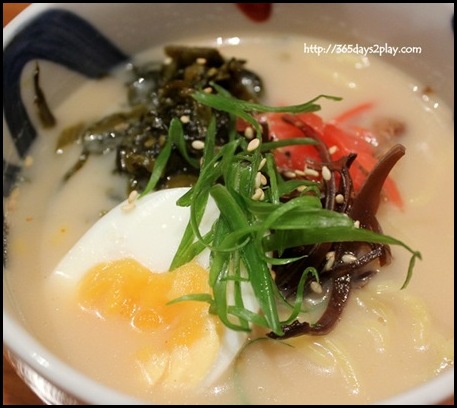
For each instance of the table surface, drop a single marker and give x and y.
(15, 392)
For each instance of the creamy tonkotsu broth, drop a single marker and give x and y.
(387, 341)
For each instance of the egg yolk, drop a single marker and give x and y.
(186, 336)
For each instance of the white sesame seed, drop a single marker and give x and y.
(333, 149)
(257, 194)
(316, 287)
(184, 118)
(263, 180)
(348, 258)
(201, 61)
(339, 198)
(330, 254)
(212, 71)
(262, 195)
(300, 173)
(132, 196)
(311, 172)
(253, 144)
(258, 178)
(357, 224)
(262, 163)
(168, 60)
(326, 173)
(208, 90)
(128, 207)
(300, 189)
(249, 133)
(330, 257)
(198, 145)
(290, 174)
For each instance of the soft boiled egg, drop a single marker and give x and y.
(120, 268)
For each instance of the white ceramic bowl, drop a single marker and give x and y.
(135, 27)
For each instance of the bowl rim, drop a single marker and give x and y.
(34, 354)
(53, 369)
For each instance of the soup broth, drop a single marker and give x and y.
(388, 339)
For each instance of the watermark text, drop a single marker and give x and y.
(375, 49)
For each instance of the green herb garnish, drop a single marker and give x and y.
(255, 232)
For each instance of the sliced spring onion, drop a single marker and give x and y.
(251, 227)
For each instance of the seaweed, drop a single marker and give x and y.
(158, 92)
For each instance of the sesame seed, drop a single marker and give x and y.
(357, 224)
(348, 258)
(128, 207)
(168, 61)
(326, 173)
(263, 180)
(208, 90)
(132, 196)
(300, 189)
(300, 173)
(262, 163)
(316, 287)
(311, 172)
(257, 194)
(258, 178)
(339, 198)
(201, 61)
(212, 71)
(330, 257)
(330, 254)
(198, 145)
(249, 133)
(333, 149)
(185, 119)
(262, 195)
(253, 144)
(290, 174)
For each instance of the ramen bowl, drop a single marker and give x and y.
(80, 41)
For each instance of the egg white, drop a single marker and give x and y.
(150, 233)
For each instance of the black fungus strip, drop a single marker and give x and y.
(340, 288)
(366, 203)
(340, 276)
